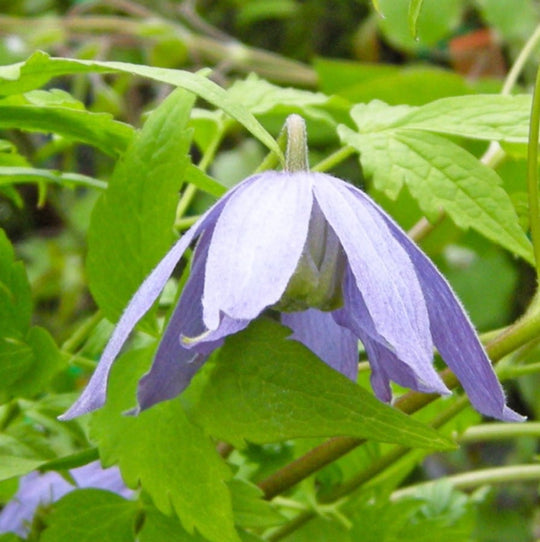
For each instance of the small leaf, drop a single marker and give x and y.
(478, 116)
(160, 528)
(132, 223)
(87, 515)
(172, 459)
(441, 176)
(197, 177)
(18, 175)
(266, 388)
(40, 68)
(98, 129)
(249, 508)
(415, 7)
(15, 295)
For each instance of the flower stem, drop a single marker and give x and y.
(334, 159)
(499, 431)
(296, 155)
(469, 480)
(523, 331)
(532, 172)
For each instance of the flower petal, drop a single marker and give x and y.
(397, 361)
(256, 246)
(175, 364)
(93, 396)
(318, 331)
(391, 295)
(453, 334)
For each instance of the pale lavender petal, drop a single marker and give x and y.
(175, 364)
(37, 489)
(387, 290)
(93, 396)
(256, 246)
(318, 331)
(453, 334)
(394, 361)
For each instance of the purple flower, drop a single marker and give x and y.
(338, 269)
(39, 489)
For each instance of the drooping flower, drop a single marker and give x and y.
(41, 489)
(339, 270)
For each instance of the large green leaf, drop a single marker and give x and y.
(160, 528)
(88, 515)
(15, 298)
(28, 355)
(98, 129)
(40, 68)
(172, 459)
(132, 223)
(266, 388)
(438, 173)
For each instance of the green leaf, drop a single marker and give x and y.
(98, 129)
(15, 295)
(160, 528)
(440, 175)
(132, 223)
(21, 175)
(28, 356)
(28, 365)
(266, 388)
(415, 7)
(477, 116)
(40, 68)
(249, 508)
(11, 465)
(87, 515)
(172, 459)
(203, 181)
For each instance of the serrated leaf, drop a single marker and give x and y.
(415, 7)
(249, 507)
(97, 129)
(441, 175)
(131, 227)
(160, 528)
(87, 515)
(172, 459)
(266, 388)
(477, 116)
(27, 365)
(40, 68)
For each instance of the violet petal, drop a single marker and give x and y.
(318, 331)
(452, 331)
(256, 246)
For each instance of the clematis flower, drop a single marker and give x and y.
(338, 269)
(40, 489)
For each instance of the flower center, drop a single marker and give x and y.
(316, 281)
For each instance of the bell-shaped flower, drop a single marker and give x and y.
(336, 267)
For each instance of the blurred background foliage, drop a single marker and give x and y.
(343, 49)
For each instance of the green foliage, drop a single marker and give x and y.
(28, 355)
(439, 174)
(121, 124)
(132, 223)
(101, 515)
(160, 449)
(265, 388)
